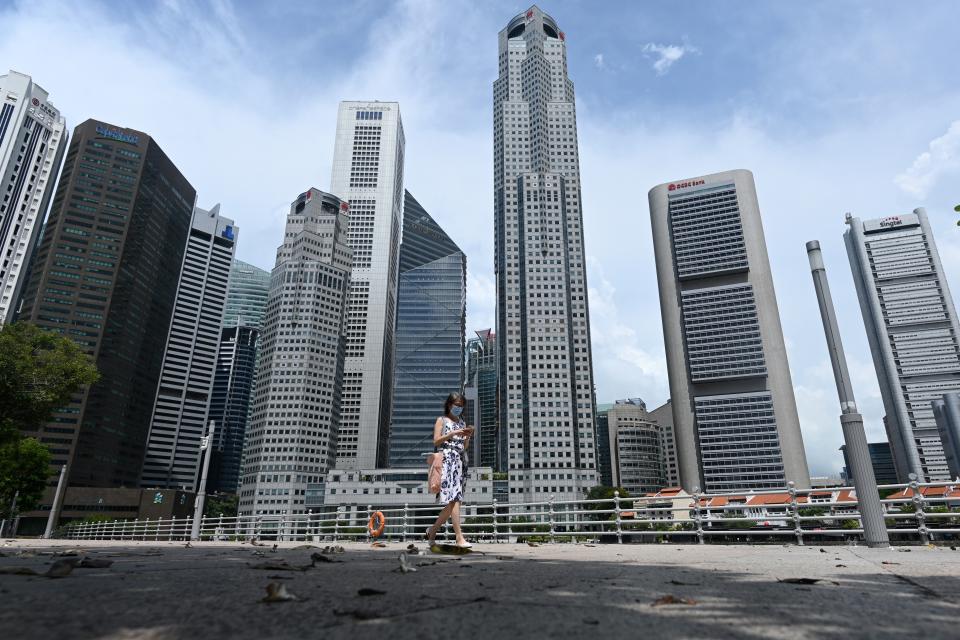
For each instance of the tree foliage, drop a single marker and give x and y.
(24, 468)
(606, 494)
(221, 504)
(39, 371)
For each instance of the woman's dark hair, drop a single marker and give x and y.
(452, 399)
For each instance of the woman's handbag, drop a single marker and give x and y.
(434, 471)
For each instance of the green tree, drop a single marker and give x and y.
(39, 371)
(218, 504)
(24, 470)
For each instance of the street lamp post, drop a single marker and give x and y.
(864, 480)
(57, 501)
(206, 444)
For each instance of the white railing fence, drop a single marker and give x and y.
(924, 513)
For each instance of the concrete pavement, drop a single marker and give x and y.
(162, 591)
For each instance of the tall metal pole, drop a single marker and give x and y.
(868, 498)
(206, 444)
(57, 501)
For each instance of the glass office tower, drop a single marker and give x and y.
(431, 321)
(106, 275)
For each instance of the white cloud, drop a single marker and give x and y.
(598, 61)
(626, 367)
(943, 157)
(481, 301)
(667, 55)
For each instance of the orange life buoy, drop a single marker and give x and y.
(375, 531)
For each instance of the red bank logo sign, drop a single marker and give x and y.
(673, 186)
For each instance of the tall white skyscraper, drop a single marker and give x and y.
(33, 137)
(913, 331)
(295, 416)
(735, 415)
(543, 326)
(368, 173)
(186, 380)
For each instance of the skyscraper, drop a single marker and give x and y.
(236, 368)
(182, 403)
(912, 328)
(663, 416)
(543, 326)
(881, 459)
(292, 438)
(735, 415)
(636, 461)
(106, 275)
(604, 450)
(368, 173)
(482, 375)
(33, 137)
(246, 295)
(230, 404)
(431, 321)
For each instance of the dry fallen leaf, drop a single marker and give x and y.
(94, 563)
(405, 567)
(61, 568)
(277, 592)
(805, 580)
(366, 591)
(319, 557)
(672, 599)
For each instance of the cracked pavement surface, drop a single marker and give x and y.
(161, 591)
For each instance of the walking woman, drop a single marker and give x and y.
(451, 437)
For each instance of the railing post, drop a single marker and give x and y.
(367, 526)
(697, 514)
(552, 523)
(918, 503)
(496, 538)
(795, 512)
(336, 525)
(616, 507)
(404, 534)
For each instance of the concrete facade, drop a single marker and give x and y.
(636, 461)
(33, 137)
(295, 417)
(182, 405)
(912, 328)
(543, 327)
(735, 415)
(368, 173)
(947, 412)
(663, 416)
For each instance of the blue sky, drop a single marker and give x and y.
(835, 106)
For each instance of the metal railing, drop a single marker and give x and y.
(760, 516)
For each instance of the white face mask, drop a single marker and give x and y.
(456, 410)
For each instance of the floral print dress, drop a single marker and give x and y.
(453, 479)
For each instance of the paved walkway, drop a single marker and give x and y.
(162, 591)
